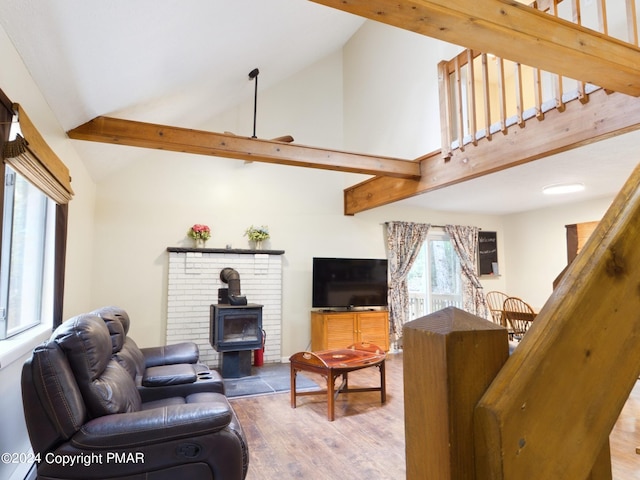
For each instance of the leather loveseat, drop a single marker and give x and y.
(158, 372)
(86, 419)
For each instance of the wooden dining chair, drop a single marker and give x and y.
(519, 316)
(495, 300)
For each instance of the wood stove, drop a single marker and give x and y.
(236, 330)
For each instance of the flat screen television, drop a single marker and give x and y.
(344, 283)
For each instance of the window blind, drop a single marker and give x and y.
(30, 156)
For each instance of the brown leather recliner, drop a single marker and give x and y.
(159, 371)
(86, 419)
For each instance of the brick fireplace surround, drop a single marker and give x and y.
(193, 283)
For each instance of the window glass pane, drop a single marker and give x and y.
(445, 286)
(434, 281)
(445, 268)
(27, 276)
(417, 285)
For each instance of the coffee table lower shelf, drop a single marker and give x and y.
(332, 364)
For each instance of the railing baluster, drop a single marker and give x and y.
(487, 96)
(553, 10)
(577, 14)
(602, 17)
(537, 93)
(445, 108)
(537, 75)
(582, 94)
(458, 103)
(577, 19)
(501, 95)
(632, 24)
(471, 95)
(559, 92)
(518, 85)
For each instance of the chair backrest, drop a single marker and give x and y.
(72, 378)
(106, 386)
(126, 351)
(112, 312)
(519, 315)
(495, 300)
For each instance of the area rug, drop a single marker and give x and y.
(270, 378)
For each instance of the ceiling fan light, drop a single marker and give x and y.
(562, 188)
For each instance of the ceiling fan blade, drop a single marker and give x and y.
(284, 139)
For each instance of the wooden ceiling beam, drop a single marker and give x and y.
(604, 116)
(163, 137)
(513, 31)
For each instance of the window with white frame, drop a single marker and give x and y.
(27, 256)
(434, 281)
(34, 196)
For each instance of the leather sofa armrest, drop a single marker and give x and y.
(164, 375)
(186, 352)
(137, 429)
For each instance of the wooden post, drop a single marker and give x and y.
(450, 358)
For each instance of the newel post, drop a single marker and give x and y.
(450, 358)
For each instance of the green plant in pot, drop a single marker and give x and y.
(257, 235)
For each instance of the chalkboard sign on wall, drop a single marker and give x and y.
(487, 253)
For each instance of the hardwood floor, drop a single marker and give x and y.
(625, 438)
(366, 440)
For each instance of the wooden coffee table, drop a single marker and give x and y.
(334, 363)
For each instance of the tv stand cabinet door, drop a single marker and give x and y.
(332, 330)
(373, 327)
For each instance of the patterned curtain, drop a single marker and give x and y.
(404, 240)
(465, 243)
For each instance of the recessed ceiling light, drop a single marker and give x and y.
(561, 188)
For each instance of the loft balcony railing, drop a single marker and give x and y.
(418, 303)
(482, 95)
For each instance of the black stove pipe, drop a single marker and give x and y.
(232, 278)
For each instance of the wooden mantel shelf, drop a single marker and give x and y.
(224, 250)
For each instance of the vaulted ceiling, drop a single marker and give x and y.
(163, 60)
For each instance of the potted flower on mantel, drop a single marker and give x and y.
(200, 233)
(257, 235)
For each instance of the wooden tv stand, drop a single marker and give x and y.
(334, 329)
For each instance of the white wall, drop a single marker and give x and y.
(391, 91)
(535, 247)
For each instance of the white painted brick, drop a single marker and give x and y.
(193, 282)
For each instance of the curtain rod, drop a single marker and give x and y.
(430, 225)
(442, 226)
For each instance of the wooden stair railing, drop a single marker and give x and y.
(512, 93)
(549, 409)
(554, 403)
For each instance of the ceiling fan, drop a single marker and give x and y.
(253, 75)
